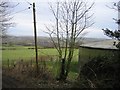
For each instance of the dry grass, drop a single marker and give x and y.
(26, 73)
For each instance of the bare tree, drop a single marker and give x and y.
(5, 17)
(72, 18)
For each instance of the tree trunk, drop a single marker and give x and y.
(62, 76)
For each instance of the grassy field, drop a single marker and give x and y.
(23, 52)
(15, 53)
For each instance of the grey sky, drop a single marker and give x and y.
(24, 21)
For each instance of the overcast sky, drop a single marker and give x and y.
(24, 21)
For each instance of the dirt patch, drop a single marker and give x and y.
(13, 79)
(10, 82)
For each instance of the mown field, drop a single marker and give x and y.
(27, 53)
(21, 52)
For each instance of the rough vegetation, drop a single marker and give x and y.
(101, 72)
(26, 78)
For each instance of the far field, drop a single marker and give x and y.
(27, 53)
(23, 52)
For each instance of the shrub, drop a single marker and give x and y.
(101, 72)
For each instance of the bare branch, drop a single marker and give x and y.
(50, 34)
(5, 16)
(71, 19)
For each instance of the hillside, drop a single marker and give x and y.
(46, 41)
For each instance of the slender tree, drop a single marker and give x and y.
(71, 19)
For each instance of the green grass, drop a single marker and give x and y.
(18, 53)
(22, 52)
